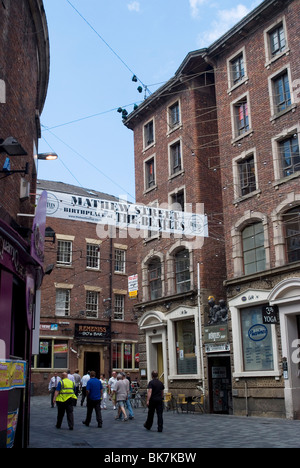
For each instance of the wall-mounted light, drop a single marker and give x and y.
(12, 147)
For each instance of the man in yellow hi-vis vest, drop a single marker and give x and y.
(64, 397)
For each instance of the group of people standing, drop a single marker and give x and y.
(65, 390)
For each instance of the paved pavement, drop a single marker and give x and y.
(181, 431)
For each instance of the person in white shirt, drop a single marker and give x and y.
(84, 382)
(111, 386)
(52, 386)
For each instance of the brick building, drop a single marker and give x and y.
(87, 318)
(24, 74)
(257, 71)
(175, 138)
(229, 115)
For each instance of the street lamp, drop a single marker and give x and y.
(47, 156)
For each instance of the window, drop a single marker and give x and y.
(177, 201)
(282, 93)
(92, 304)
(292, 233)
(62, 307)
(93, 256)
(247, 178)
(150, 174)
(117, 356)
(186, 347)
(257, 341)
(183, 276)
(124, 356)
(289, 155)
(128, 355)
(155, 281)
(175, 158)
(237, 69)
(241, 116)
(53, 355)
(119, 307)
(174, 116)
(254, 249)
(277, 40)
(149, 134)
(120, 261)
(64, 252)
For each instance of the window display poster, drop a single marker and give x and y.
(12, 421)
(257, 341)
(12, 375)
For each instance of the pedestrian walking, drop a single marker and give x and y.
(64, 398)
(111, 386)
(104, 393)
(121, 392)
(155, 396)
(84, 382)
(52, 387)
(77, 380)
(128, 401)
(94, 396)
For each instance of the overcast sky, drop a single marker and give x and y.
(96, 47)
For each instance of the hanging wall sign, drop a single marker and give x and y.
(270, 315)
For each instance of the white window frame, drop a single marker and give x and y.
(182, 313)
(96, 244)
(250, 298)
(67, 288)
(65, 239)
(119, 304)
(95, 292)
(122, 251)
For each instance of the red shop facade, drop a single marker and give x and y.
(21, 274)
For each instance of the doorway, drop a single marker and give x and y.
(92, 363)
(160, 363)
(220, 385)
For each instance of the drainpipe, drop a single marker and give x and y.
(200, 331)
(246, 398)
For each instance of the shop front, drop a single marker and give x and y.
(217, 349)
(172, 347)
(20, 276)
(93, 343)
(257, 373)
(285, 297)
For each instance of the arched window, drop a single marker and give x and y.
(254, 248)
(292, 234)
(155, 281)
(183, 276)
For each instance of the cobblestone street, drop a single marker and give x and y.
(181, 431)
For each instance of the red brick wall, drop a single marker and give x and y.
(198, 134)
(263, 129)
(19, 70)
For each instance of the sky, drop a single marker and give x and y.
(96, 47)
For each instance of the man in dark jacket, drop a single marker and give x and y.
(155, 396)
